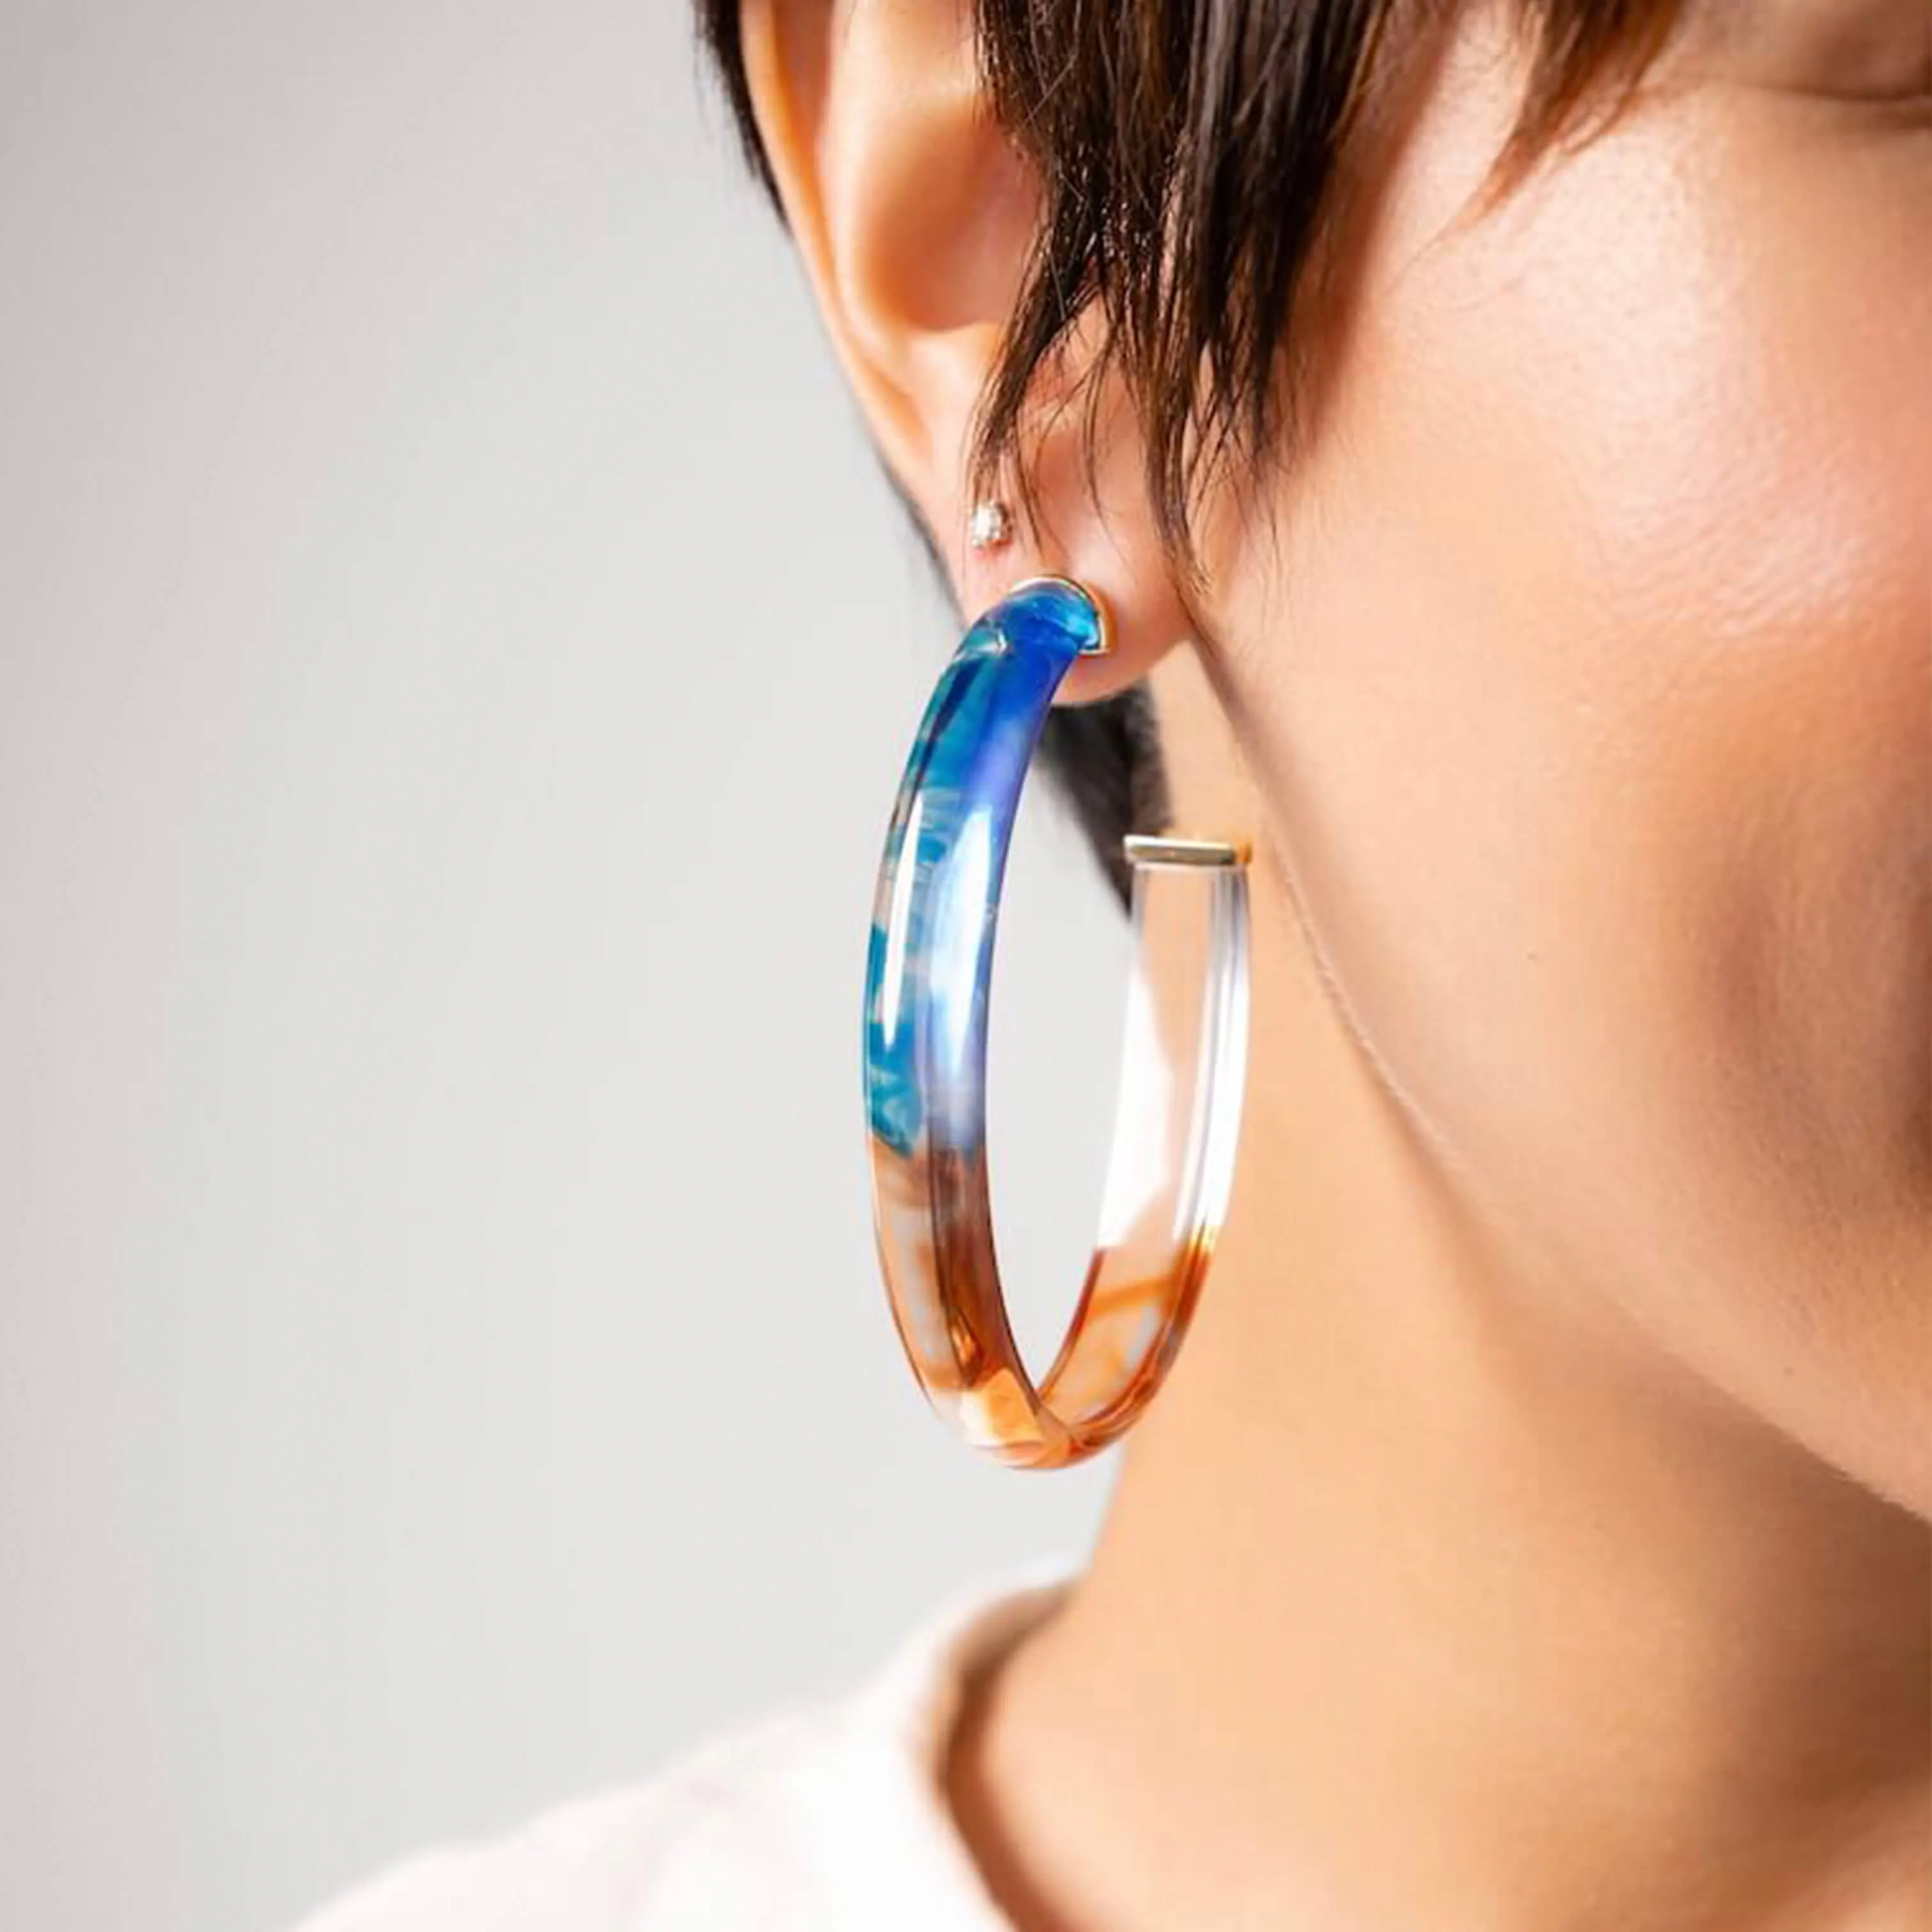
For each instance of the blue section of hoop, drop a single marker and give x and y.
(929, 964)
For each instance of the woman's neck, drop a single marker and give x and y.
(1423, 1602)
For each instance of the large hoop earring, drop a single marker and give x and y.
(928, 975)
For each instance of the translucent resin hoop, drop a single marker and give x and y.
(927, 980)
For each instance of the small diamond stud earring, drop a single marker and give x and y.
(991, 525)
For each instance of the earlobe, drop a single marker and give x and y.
(915, 216)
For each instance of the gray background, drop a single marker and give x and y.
(456, 653)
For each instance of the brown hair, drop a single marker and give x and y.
(1188, 152)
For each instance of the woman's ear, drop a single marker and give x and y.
(915, 216)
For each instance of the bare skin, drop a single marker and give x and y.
(1534, 1533)
(1413, 1609)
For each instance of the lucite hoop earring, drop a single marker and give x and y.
(928, 977)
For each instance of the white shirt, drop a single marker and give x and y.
(830, 1819)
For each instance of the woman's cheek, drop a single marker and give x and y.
(1597, 715)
